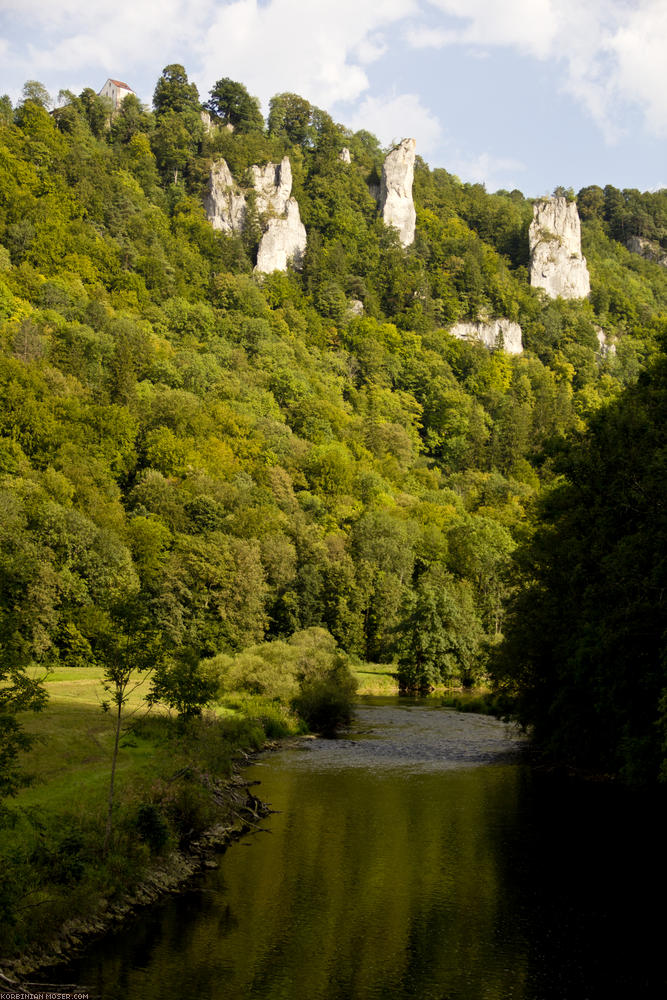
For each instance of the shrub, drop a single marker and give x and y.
(152, 827)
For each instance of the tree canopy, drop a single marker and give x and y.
(260, 456)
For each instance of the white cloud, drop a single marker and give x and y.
(75, 44)
(639, 46)
(369, 50)
(318, 50)
(529, 25)
(611, 52)
(493, 171)
(394, 117)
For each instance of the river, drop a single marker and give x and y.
(422, 857)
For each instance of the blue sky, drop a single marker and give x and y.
(512, 93)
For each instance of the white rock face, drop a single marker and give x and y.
(647, 249)
(345, 155)
(355, 307)
(225, 205)
(605, 347)
(396, 202)
(284, 238)
(499, 334)
(283, 241)
(556, 263)
(273, 185)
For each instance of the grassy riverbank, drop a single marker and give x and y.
(381, 679)
(174, 783)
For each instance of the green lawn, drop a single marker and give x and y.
(376, 678)
(71, 756)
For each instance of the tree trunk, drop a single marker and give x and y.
(107, 834)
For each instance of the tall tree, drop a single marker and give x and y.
(585, 652)
(290, 116)
(233, 105)
(173, 91)
(129, 644)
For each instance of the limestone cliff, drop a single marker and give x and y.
(225, 205)
(605, 347)
(556, 263)
(273, 186)
(396, 202)
(284, 235)
(284, 240)
(499, 334)
(648, 249)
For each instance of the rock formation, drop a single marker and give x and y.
(284, 235)
(345, 156)
(284, 240)
(273, 186)
(396, 202)
(556, 263)
(647, 249)
(605, 348)
(498, 334)
(225, 205)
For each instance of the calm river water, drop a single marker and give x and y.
(420, 858)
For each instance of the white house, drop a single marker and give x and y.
(116, 90)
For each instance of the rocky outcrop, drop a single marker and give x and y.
(396, 204)
(605, 347)
(647, 249)
(284, 235)
(284, 238)
(273, 186)
(224, 203)
(556, 263)
(283, 241)
(498, 334)
(345, 156)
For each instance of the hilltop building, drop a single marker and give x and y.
(116, 90)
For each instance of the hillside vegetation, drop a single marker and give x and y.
(205, 464)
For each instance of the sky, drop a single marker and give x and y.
(526, 94)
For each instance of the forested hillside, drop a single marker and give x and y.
(243, 456)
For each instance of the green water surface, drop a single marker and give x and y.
(423, 858)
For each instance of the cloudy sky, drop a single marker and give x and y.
(514, 93)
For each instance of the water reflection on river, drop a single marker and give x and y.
(422, 858)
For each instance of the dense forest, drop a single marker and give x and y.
(215, 469)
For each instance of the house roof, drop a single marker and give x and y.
(119, 83)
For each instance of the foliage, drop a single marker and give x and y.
(308, 673)
(183, 684)
(233, 105)
(243, 455)
(584, 652)
(173, 92)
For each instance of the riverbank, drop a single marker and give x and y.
(167, 874)
(381, 679)
(179, 798)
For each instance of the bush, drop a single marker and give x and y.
(152, 827)
(326, 684)
(308, 674)
(326, 704)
